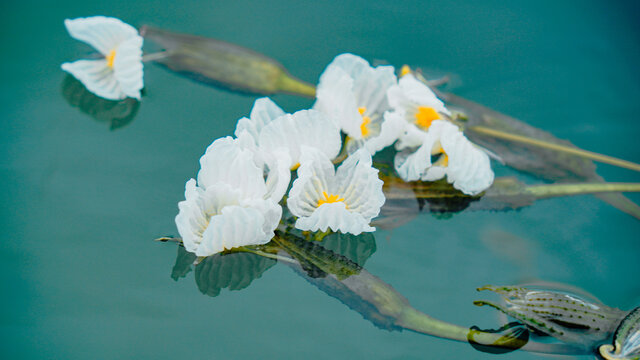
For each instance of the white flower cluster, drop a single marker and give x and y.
(242, 180)
(236, 198)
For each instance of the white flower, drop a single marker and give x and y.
(263, 112)
(276, 139)
(119, 74)
(417, 105)
(354, 94)
(344, 200)
(230, 205)
(466, 166)
(292, 133)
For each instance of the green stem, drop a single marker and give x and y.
(556, 147)
(553, 190)
(414, 320)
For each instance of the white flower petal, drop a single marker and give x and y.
(349, 84)
(469, 168)
(102, 33)
(263, 112)
(393, 126)
(235, 226)
(306, 127)
(336, 217)
(357, 182)
(418, 93)
(278, 165)
(335, 98)
(225, 161)
(195, 212)
(127, 66)
(315, 175)
(97, 77)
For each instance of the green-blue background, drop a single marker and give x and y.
(81, 277)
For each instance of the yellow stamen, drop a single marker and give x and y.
(404, 70)
(425, 116)
(365, 121)
(110, 58)
(329, 198)
(295, 167)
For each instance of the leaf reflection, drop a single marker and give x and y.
(117, 114)
(233, 271)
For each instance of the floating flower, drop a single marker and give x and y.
(119, 74)
(354, 94)
(413, 101)
(230, 205)
(466, 167)
(344, 200)
(304, 129)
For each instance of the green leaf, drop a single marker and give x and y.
(357, 248)
(234, 271)
(184, 260)
(543, 163)
(115, 113)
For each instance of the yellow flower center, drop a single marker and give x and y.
(295, 167)
(329, 198)
(425, 116)
(110, 58)
(404, 70)
(365, 121)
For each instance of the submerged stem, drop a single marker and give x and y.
(553, 190)
(156, 56)
(557, 147)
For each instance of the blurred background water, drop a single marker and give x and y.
(82, 278)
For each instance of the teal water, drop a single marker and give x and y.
(82, 278)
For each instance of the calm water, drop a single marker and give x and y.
(82, 278)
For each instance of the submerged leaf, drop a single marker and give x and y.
(514, 336)
(564, 316)
(315, 259)
(222, 64)
(234, 271)
(116, 113)
(544, 163)
(356, 248)
(184, 260)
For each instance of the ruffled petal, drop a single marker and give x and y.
(263, 112)
(278, 174)
(349, 84)
(127, 66)
(357, 182)
(103, 33)
(469, 168)
(235, 226)
(419, 93)
(309, 127)
(392, 127)
(315, 177)
(97, 77)
(198, 207)
(336, 217)
(335, 98)
(225, 161)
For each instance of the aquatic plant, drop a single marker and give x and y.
(343, 200)
(119, 74)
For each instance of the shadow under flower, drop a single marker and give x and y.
(116, 114)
